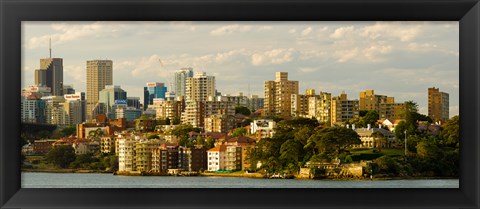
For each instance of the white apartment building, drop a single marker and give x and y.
(216, 158)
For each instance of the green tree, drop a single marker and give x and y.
(379, 139)
(242, 110)
(61, 156)
(333, 140)
(69, 130)
(153, 136)
(210, 143)
(428, 149)
(370, 118)
(181, 131)
(95, 135)
(82, 161)
(450, 134)
(167, 121)
(242, 131)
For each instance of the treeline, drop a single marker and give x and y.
(300, 140)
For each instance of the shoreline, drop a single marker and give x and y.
(241, 175)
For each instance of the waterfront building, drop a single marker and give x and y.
(165, 157)
(181, 78)
(99, 75)
(143, 154)
(216, 158)
(438, 105)
(342, 109)
(126, 152)
(233, 158)
(278, 95)
(200, 87)
(107, 144)
(153, 90)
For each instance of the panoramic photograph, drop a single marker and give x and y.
(240, 104)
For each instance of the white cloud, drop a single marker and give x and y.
(228, 29)
(273, 57)
(307, 31)
(404, 31)
(346, 55)
(342, 32)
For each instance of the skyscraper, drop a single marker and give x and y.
(99, 74)
(181, 81)
(50, 74)
(111, 95)
(278, 94)
(151, 91)
(438, 105)
(200, 87)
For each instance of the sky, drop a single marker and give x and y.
(399, 59)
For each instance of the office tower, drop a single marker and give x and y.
(181, 81)
(342, 109)
(76, 108)
(438, 105)
(99, 74)
(55, 111)
(278, 95)
(68, 89)
(133, 102)
(111, 95)
(50, 74)
(200, 87)
(153, 90)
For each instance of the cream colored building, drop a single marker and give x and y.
(278, 95)
(220, 122)
(200, 87)
(300, 104)
(99, 74)
(438, 105)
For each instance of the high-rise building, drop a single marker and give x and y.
(111, 95)
(200, 87)
(77, 108)
(342, 109)
(153, 90)
(133, 102)
(50, 74)
(371, 101)
(278, 95)
(438, 105)
(68, 89)
(32, 109)
(55, 111)
(320, 107)
(99, 74)
(181, 81)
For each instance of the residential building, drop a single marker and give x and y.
(153, 90)
(200, 87)
(220, 122)
(165, 157)
(99, 75)
(255, 103)
(181, 78)
(320, 107)
(216, 158)
(143, 154)
(107, 144)
(300, 103)
(438, 105)
(55, 112)
(125, 148)
(196, 111)
(342, 109)
(263, 128)
(43, 146)
(233, 158)
(278, 95)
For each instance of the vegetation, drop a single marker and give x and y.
(242, 110)
(61, 156)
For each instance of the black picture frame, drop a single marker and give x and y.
(12, 12)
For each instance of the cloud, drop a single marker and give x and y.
(228, 29)
(403, 31)
(346, 55)
(342, 32)
(307, 31)
(273, 57)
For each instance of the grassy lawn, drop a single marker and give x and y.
(369, 154)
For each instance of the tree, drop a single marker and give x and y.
(153, 136)
(450, 134)
(242, 110)
(181, 131)
(428, 149)
(333, 140)
(370, 118)
(95, 135)
(61, 156)
(242, 131)
(167, 121)
(69, 130)
(210, 142)
(379, 139)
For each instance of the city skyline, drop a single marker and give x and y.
(399, 59)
